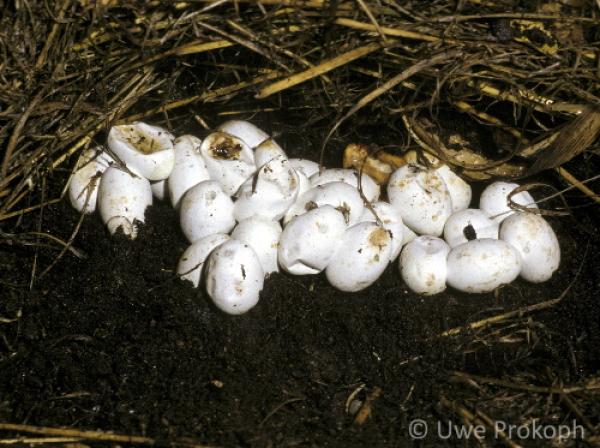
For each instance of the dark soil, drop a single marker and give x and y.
(115, 342)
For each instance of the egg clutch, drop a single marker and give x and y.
(248, 211)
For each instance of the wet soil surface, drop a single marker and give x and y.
(115, 341)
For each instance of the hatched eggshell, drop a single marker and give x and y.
(423, 265)
(267, 151)
(460, 191)
(308, 167)
(340, 195)
(482, 265)
(262, 235)
(83, 187)
(234, 277)
(270, 193)
(361, 258)
(494, 200)
(535, 240)
(421, 197)
(206, 209)
(189, 169)
(125, 196)
(146, 150)
(245, 131)
(391, 221)
(309, 241)
(469, 224)
(228, 159)
(370, 188)
(191, 263)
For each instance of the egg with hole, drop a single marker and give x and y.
(469, 224)
(245, 131)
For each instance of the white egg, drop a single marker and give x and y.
(361, 258)
(421, 197)
(83, 187)
(159, 189)
(309, 241)
(407, 235)
(308, 167)
(262, 235)
(391, 221)
(482, 265)
(191, 263)
(234, 277)
(460, 191)
(469, 224)
(494, 200)
(206, 209)
(123, 196)
(270, 193)
(228, 159)
(340, 195)
(535, 240)
(423, 265)
(267, 151)
(146, 150)
(245, 131)
(303, 182)
(189, 169)
(370, 188)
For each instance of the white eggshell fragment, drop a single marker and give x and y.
(262, 235)
(124, 196)
(83, 189)
(535, 240)
(159, 189)
(494, 200)
(391, 221)
(340, 195)
(234, 277)
(308, 167)
(460, 191)
(245, 131)
(361, 258)
(310, 240)
(421, 197)
(270, 193)
(482, 265)
(189, 169)
(469, 224)
(370, 188)
(146, 150)
(267, 151)
(191, 263)
(206, 209)
(229, 160)
(423, 265)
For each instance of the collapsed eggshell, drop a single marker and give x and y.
(191, 263)
(189, 169)
(494, 200)
(83, 187)
(206, 209)
(146, 150)
(308, 167)
(229, 160)
(340, 195)
(262, 235)
(270, 193)
(234, 277)
(267, 151)
(535, 240)
(469, 224)
(245, 131)
(391, 221)
(370, 188)
(482, 265)
(124, 196)
(421, 197)
(309, 241)
(361, 257)
(423, 265)
(460, 191)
